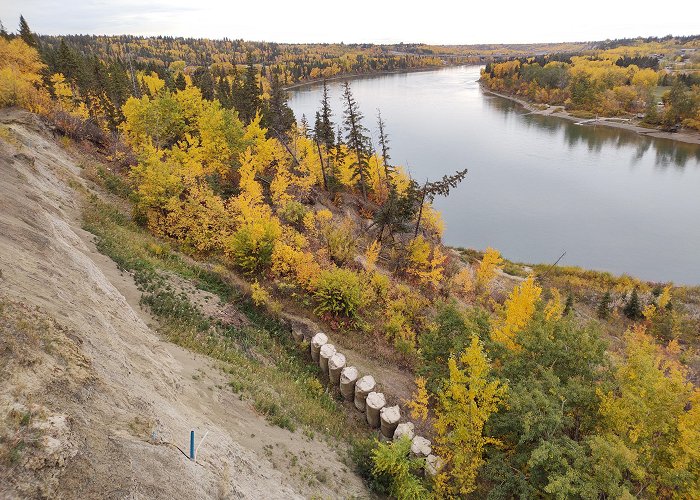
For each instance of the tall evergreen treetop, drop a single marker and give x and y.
(278, 115)
(323, 127)
(26, 34)
(384, 144)
(202, 78)
(3, 32)
(357, 138)
(249, 98)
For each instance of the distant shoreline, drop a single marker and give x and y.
(354, 76)
(685, 136)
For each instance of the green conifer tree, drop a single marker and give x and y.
(357, 139)
(604, 306)
(26, 34)
(633, 308)
(323, 126)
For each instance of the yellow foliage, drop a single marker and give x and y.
(372, 254)
(555, 306)
(486, 272)
(462, 283)
(664, 297)
(419, 402)
(654, 413)
(20, 76)
(425, 263)
(302, 266)
(519, 309)
(324, 216)
(649, 311)
(645, 77)
(309, 222)
(401, 180)
(258, 294)
(152, 82)
(464, 406)
(404, 313)
(200, 220)
(431, 221)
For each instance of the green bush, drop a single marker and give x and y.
(293, 213)
(393, 464)
(252, 252)
(447, 337)
(338, 292)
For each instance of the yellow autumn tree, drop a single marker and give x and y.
(419, 400)
(464, 406)
(653, 417)
(20, 76)
(65, 99)
(486, 272)
(424, 262)
(555, 306)
(462, 283)
(251, 247)
(519, 309)
(372, 254)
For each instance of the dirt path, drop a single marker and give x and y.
(145, 394)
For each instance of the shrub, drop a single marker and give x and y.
(250, 248)
(392, 462)
(338, 292)
(258, 294)
(293, 213)
(340, 241)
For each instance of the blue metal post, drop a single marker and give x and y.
(192, 444)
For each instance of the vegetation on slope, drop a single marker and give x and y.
(522, 394)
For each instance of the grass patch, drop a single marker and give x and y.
(264, 363)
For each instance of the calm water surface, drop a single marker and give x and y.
(537, 186)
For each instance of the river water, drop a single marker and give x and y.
(537, 186)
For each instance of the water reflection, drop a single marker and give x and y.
(595, 138)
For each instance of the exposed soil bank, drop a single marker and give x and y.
(111, 400)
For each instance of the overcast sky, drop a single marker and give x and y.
(377, 21)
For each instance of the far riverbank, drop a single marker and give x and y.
(687, 136)
(354, 76)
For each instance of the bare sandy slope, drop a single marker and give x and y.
(139, 396)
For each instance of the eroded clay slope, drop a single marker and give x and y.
(112, 432)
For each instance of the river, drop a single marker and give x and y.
(537, 186)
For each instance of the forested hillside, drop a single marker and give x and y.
(623, 78)
(531, 382)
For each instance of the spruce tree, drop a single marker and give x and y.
(384, 145)
(633, 308)
(604, 308)
(3, 32)
(223, 92)
(357, 139)
(249, 98)
(202, 78)
(278, 115)
(26, 34)
(180, 82)
(323, 126)
(304, 125)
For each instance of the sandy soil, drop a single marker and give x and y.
(683, 135)
(139, 396)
